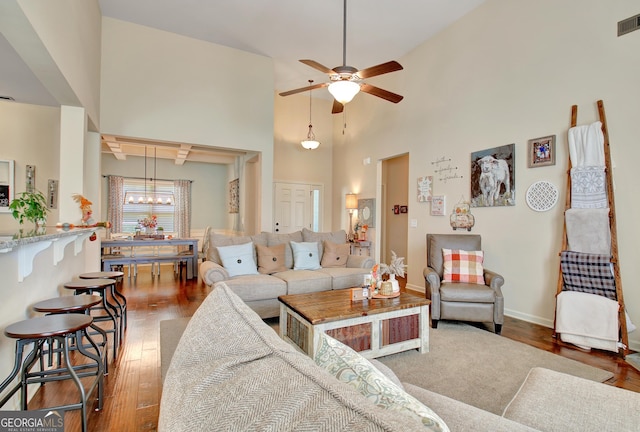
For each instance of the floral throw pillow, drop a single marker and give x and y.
(463, 266)
(351, 368)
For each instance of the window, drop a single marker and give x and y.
(133, 212)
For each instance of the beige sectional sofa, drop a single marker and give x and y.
(231, 371)
(260, 290)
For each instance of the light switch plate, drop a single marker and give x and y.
(414, 223)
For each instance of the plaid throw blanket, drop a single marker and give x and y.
(588, 273)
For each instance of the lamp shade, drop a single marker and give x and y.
(351, 201)
(343, 91)
(310, 144)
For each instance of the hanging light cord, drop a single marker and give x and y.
(310, 136)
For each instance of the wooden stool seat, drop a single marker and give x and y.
(63, 329)
(66, 304)
(102, 275)
(47, 326)
(89, 284)
(102, 287)
(117, 295)
(74, 304)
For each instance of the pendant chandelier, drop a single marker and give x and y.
(150, 196)
(310, 143)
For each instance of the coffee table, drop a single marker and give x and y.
(374, 327)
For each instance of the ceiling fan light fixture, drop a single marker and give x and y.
(344, 91)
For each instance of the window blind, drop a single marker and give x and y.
(134, 212)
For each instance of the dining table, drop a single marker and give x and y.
(188, 255)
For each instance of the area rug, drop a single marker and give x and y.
(633, 360)
(478, 367)
(465, 363)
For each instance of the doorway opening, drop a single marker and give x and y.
(394, 194)
(297, 206)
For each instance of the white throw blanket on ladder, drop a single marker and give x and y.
(586, 145)
(587, 320)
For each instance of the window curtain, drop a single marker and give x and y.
(116, 200)
(182, 210)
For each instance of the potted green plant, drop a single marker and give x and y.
(31, 206)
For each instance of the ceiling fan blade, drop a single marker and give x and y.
(384, 94)
(303, 89)
(380, 69)
(337, 107)
(322, 68)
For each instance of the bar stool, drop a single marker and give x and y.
(75, 304)
(38, 331)
(101, 287)
(117, 294)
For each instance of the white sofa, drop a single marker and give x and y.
(230, 371)
(261, 290)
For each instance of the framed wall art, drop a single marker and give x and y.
(438, 205)
(541, 151)
(234, 196)
(6, 185)
(425, 185)
(493, 177)
(367, 212)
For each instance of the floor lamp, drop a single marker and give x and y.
(351, 204)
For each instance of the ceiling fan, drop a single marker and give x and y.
(347, 81)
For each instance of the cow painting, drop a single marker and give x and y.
(493, 177)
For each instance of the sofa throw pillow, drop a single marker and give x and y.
(335, 255)
(238, 259)
(350, 367)
(339, 236)
(306, 255)
(271, 259)
(463, 266)
(274, 239)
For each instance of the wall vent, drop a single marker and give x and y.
(628, 25)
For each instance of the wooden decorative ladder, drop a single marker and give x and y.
(624, 336)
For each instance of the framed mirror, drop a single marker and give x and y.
(367, 211)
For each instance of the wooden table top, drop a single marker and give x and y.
(327, 306)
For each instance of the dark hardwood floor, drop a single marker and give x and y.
(133, 388)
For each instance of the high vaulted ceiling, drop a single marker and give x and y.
(284, 30)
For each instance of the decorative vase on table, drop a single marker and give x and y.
(149, 230)
(394, 283)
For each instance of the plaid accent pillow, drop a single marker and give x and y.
(463, 266)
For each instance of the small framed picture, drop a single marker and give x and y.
(541, 151)
(437, 205)
(425, 188)
(396, 209)
(404, 209)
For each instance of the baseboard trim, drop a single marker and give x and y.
(545, 322)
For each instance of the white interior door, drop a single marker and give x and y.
(292, 209)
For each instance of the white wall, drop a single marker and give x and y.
(291, 162)
(506, 73)
(30, 136)
(60, 41)
(159, 85)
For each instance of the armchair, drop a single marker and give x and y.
(459, 300)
